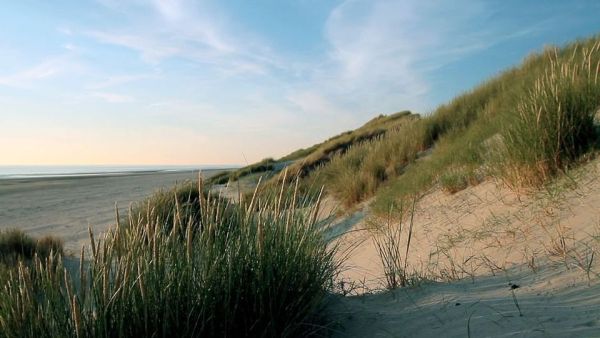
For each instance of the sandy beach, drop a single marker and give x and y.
(66, 206)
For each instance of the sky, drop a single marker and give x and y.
(231, 82)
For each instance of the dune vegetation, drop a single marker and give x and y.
(305, 161)
(522, 127)
(16, 244)
(263, 167)
(229, 270)
(185, 262)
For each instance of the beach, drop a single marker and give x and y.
(66, 206)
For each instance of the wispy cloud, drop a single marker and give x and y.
(113, 97)
(233, 79)
(378, 50)
(186, 30)
(311, 102)
(381, 53)
(171, 10)
(46, 69)
(65, 30)
(152, 50)
(115, 80)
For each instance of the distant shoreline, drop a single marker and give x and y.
(66, 206)
(59, 173)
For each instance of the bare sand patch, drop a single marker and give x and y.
(465, 250)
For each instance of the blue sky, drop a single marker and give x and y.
(205, 82)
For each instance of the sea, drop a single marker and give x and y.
(41, 171)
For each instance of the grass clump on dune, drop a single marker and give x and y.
(387, 239)
(357, 174)
(375, 127)
(455, 180)
(339, 145)
(259, 269)
(17, 248)
(165, 206)
(17, 245)
(264, 166)
(553, 124)
(48, 245)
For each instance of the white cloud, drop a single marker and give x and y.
(381, 54)
(113, 97)
(170, 9)
(70, 47)
(152, 50)
(380, 51)
(46, 69)
(115, 80)
(65, 30)
(313, 103)
(162, 29)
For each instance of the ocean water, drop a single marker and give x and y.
(18, 171)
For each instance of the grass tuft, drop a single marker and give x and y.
(388, 241)
(48, 245)
(16, 245)
(553, 124)
(456, 179)
(265, 166)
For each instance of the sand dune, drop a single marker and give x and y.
(468, 247)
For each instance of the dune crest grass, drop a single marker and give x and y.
(357, 174)
(262, 167)
(523, 127)
(553, 124)
(258, 269)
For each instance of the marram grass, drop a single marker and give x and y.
(553, 124)
(15, 244)
(259, 269)
(523, 127)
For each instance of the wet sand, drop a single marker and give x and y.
(66, 206)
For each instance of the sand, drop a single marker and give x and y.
(554, 302)
(468, 247)
(65, 207)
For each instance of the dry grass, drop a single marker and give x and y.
(388, 241)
